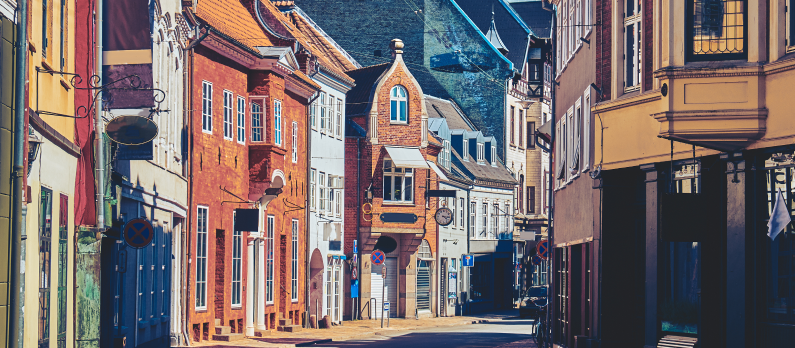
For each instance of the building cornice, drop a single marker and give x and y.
(627, 101)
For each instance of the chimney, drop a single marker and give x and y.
(397, 49)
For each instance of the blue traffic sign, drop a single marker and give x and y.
(468, 261)
(377, 257)
(138, 233)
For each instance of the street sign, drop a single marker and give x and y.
(386, 306)
(138, 233)
(542, 249)
(468, 261)
(536, 260)
(355, 247)
(354, 288)
(354, 273)
(377, 257)
(383, 271)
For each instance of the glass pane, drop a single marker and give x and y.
(403, 111)
(393, 110)
(629, 55)
(409, 189)
(387, 188)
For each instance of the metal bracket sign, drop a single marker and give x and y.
(386, 306)
(441, 193)
(138, 233)
(468, 261)
(383, 272)
(401, 218)
(377, 257)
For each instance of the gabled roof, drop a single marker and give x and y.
(447, 109)
(494, 37)
(233, 19)
(358, 98)
(483, 172)
(538, 19)
(283, 54)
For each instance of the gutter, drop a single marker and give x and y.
(20, 136)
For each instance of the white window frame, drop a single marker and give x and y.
(466, 150)
(312, 188)
(295, 142)
(485, 218)
(323, 113)
(404, 174)
(269, 259)
(277, 122)
(313, 114)
(340, 196)
(207, 107)
(259, 116)
(588, 20)
(481, 152)
(322, 207)
(228, 123)
(578, 28)
(400, 107)
(577, 136)
(241, 120)
(338, 130)
(634, 21)
(237, 267)
(493, 156)
(473, 219)
(201, 256)
(586, 130)
(331, 197)
(294, 265)
(569, 131)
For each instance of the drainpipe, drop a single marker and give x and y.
(358, 219)
(99, 126)
(469, 213)
(16, 293)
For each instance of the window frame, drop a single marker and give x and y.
(237, 268)
(322, 206)
(690, 55)
(229, 132)
(241, 120)
(635, 21)
(472, 219)
(277, 123)
(512, 121)
(201, 256)
(323, 113)
(313, 114)
(258, 134)
(271, 225)
(585, 154)
(207, 107)
(294, 265)
(398, 105)
(312, 188)
(404, 174)
(294, 154)
(338, 130)
(531, 130)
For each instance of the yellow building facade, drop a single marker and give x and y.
(48, 308)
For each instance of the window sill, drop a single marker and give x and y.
(237, 307)
(397, 203)
(399, 123)
(200, 310)
(207, 132)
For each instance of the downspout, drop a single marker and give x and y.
(99, 126)
(307, 302)
(358, 218)
(469, 213)
(16, 292)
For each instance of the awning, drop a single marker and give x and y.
(438, 171)
(406, 157)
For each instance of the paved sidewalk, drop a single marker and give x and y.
(357, 329)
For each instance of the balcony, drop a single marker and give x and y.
(265, 177)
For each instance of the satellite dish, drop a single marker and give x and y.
(131, 130)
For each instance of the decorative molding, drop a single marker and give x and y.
(624, 102)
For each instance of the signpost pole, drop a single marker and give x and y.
(383, 287)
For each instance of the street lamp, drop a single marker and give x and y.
(34, 144)
(528, 102)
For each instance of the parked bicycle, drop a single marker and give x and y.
(540, 335)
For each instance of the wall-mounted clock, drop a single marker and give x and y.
(444, 216)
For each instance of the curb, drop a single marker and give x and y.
(312, 343)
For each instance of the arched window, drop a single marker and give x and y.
(398, 102)
(424, 251)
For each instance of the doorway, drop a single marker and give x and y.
(220, 252)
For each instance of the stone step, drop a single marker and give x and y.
(223, 330)
(285, 322)
(217, 322)
(262, 333)
(290, 328)
(229, 337)
(672, 341)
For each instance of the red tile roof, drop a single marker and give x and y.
(233, 19)
(330, 55)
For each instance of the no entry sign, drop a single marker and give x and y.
(542, 249)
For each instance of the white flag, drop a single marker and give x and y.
(779, 218)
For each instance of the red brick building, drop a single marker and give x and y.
(247, 142)
(387, 149)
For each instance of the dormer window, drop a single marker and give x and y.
(446, 155)
(466, 150)
(481, 153)
(493, 156)
(398, 104)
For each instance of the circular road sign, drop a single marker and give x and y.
(543, 249)
(377, 257)
(138, 233)
(536, 260)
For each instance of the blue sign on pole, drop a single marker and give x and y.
(355, 288)
(355, 248)
(468, 261)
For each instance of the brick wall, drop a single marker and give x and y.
(217, 163)
(603, 47)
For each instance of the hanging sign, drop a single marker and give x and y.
(354, 288)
